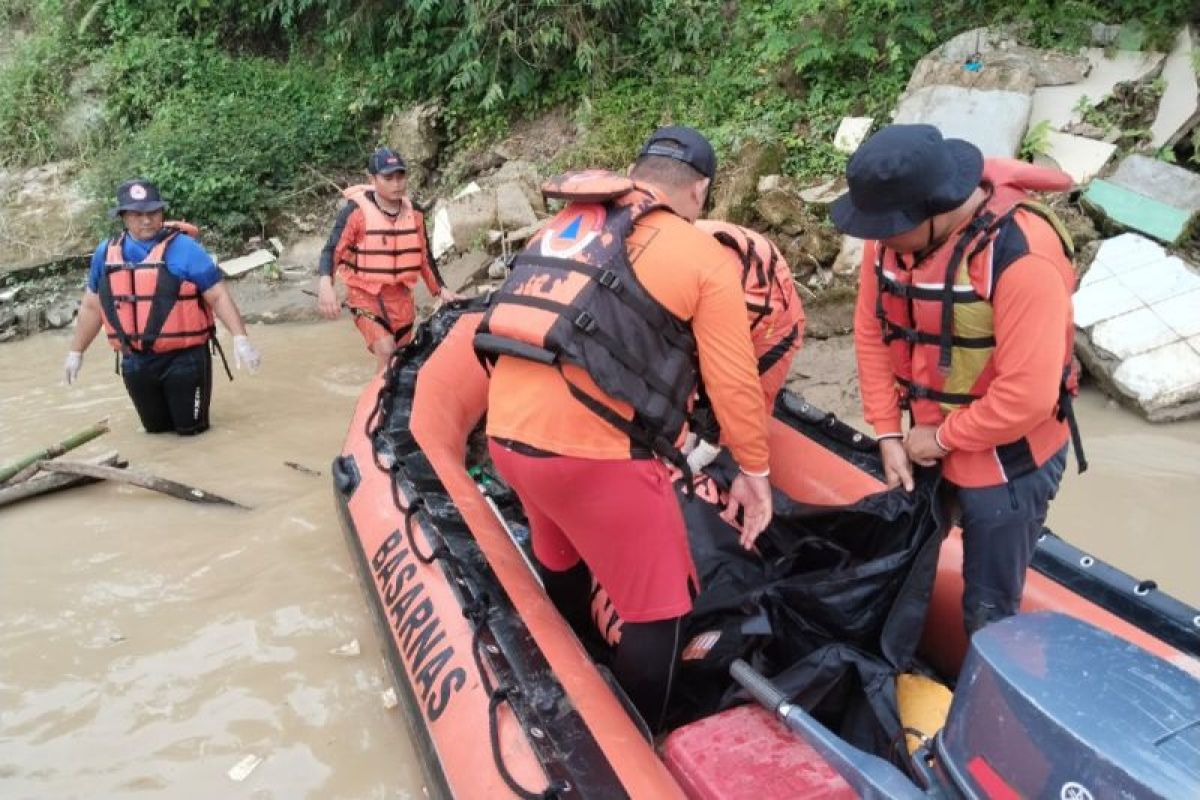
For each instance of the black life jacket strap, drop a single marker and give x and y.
(1066, 411)
(945, 345)
(892, 332)
(778, 350)
(587, 326)
(919, 391)
(656, 443)
(612, 282)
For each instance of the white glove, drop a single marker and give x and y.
(71, 366)
(245, 355)
(702, 455)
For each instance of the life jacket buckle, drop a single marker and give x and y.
(586, 322)
(610, 280)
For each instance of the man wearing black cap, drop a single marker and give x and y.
(964, 321)
(380, 248)
(614, 298)
(156, 292)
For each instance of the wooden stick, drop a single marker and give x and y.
(142, 479)
(51, 483)
(302, 468)
(53, 451)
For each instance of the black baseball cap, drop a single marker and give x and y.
(903, 176)
(385, 161)
(137, 195)
(682, 144)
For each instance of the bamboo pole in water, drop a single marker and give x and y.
(52, 482)
(53, 451)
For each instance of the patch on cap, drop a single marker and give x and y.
(137, 192)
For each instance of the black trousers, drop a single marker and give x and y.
(170, 391)
(1001, 525)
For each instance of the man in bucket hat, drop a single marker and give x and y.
(380, 249)
(964, 321)
(155, 291)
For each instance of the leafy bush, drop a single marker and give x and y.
(231, 140)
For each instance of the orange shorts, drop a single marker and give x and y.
(390, 313)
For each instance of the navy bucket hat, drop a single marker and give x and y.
(137, 195)
(901, 177)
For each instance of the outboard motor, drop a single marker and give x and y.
(1049, 706)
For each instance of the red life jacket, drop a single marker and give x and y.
(936, 317)
(775, 312)
(391, 250)
(145, 307)
(572, 297)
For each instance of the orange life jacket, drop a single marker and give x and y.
(145, 307)
(392, 249)
(572, 297)
(775, 312)
(936, 315)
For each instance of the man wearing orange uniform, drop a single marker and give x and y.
(380, 249)
(598, 338)
(776, 319)
(964, 319)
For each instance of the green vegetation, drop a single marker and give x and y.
(227, 103)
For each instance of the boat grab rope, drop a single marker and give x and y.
(476, 610)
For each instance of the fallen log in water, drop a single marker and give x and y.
(137, 478)
(52, 482)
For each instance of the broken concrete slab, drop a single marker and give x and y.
(995, 48)
(994, 121)
(233, 267)
(824, 194)
(513, 210)
(1079, 157)
(1059, 105)
(1165, 383)
(1179, 108)
(1147, 195)
(852, 132)
(1136, 312)
(465, 270)
(470, 217)
(442, 239)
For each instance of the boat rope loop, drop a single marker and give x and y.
(440, 551)
(477, 613)
(476, 608)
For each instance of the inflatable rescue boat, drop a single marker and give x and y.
(1093, 694)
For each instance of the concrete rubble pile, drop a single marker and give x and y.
(1138, 307)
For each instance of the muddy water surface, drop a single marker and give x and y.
(147, 645)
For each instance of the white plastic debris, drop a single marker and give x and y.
(389, 699)
(851, 133)
(350, 648)
(242, 769)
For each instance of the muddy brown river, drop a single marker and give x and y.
(147, 645)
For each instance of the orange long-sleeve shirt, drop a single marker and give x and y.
(688, 273)
(1032, 321)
